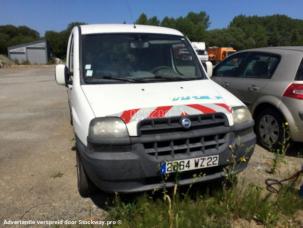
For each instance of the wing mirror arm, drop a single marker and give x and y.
(68, 77)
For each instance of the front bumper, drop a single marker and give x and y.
(128, 168)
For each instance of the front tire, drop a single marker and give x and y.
(85, 186)
(272, 130)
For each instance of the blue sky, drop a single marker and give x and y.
(44, 15)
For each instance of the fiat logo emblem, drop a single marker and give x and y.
(186, 123)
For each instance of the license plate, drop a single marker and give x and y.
(189, 164)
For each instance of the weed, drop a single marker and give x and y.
(208, 210)
(57, 174)
(279, 153)
(214, 208)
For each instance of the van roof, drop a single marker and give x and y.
(127, 28)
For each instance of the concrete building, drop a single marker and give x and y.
(36, 52)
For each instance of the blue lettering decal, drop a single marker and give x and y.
(185, 98)
(203, 97)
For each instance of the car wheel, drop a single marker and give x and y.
(272, 132)
(85, 186)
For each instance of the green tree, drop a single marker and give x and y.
(11, 35)
(4, 39)
(275, 30)
(142, 20)
(168, 22)
(153, 21)
(58, 40)
(243, 32)
(193, 25)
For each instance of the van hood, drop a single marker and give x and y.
(135, 101)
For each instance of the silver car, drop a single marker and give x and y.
(270, 81)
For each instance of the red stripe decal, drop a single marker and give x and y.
(159, 112)
(128, 114)
(224, 106)
(202, 108)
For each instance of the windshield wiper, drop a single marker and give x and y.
(108, 77)
(119, 79)
(174, 78)
(141, 80)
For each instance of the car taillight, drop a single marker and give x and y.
(294, 91)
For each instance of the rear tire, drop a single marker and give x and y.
(85, 186)
(271, 130)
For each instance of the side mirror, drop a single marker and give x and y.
(62, 75)
(209, 68)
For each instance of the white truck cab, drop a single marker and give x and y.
(201, 51)
(143, 108)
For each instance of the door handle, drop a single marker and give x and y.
(253, 88)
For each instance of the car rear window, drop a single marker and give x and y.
(299, 76)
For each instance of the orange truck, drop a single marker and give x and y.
(218, 54)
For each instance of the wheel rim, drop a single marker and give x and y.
(269, 130)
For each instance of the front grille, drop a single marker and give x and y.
(201, 142)
(182, 146)
(173, 124)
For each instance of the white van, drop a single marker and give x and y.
(144, 111)
(201, 51)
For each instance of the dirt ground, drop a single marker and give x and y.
(37, 163)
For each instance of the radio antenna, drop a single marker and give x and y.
(130, 12)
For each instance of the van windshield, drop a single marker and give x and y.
(132, 57)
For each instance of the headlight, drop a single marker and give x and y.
(107, 127)
(241, 114)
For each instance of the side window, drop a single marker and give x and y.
(261, 65)
(71, 56)
(299, 76)
(231, 67)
